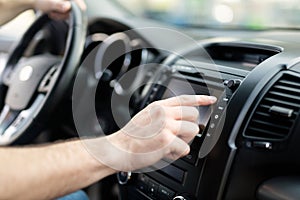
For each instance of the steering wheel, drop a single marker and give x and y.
(30, 90)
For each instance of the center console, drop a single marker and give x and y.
(195, 176)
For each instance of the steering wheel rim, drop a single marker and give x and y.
(47, 78)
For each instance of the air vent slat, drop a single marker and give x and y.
(263, 114)
(265, 124)
(265, 106)
(268, 119)
(287, 89)
(265, 132)
(285, 96)
(280, 102)
(290, 83)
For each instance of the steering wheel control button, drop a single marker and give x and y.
(25, 73)
(19, 121)
(26, 80)
(48, 80)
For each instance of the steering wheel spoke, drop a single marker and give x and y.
(7, 116)
(49, 80)
(13, 123)
(6, 77)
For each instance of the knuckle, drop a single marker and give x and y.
(184, 98)
(175, 153)
(203, 100)
(56, 5)
(157, 110)
(195, 129)
(195, 113)
(164, 139)
(153, 105)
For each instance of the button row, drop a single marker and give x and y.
(212, 135)
(154, 189)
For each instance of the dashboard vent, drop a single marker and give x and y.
(275, 115)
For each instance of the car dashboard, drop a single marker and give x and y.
(248, 143)
(247, 147)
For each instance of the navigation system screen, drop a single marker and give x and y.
(182, 87)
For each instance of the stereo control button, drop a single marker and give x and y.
(152, 189)
(191, 157)
(165, 193)
(233, 83)
(225, 99)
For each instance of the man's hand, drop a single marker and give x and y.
(162, 130)
(57, 9)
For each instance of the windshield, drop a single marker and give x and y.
(250, 14)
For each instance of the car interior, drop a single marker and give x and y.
(124, 55)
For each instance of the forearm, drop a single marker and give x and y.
(11, 8)
(48, 172)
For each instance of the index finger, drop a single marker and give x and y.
(189, 100)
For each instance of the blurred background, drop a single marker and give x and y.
(253, 14)
(239, 14)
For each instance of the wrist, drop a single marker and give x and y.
(25, 4)
(101, 154)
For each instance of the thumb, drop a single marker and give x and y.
(61, 6)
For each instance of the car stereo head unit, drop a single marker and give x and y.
(180, 82)
(178, 178)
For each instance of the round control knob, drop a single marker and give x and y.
(179, 198)
(233, 83)
(123, 177)
(184, 196)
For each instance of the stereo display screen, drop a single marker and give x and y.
(182, 87)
